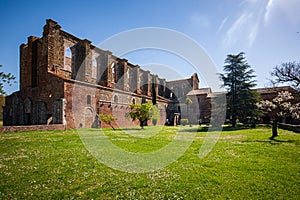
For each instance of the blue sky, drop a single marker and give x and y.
(266, 30)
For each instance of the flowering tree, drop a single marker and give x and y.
(280, 106)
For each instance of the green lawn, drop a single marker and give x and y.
(244, 164)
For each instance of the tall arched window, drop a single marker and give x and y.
(88, 100)
(94, 68)
(68, 59)
(133, 101)
(113, 72)
(116, 99)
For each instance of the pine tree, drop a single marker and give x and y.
(238, 81)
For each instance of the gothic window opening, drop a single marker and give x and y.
(133, 101)
(94, 68)
(113, 72)
(68, 59)
(116, 99)
(88, 100)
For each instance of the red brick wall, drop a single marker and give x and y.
(78, 111)
(32, 128)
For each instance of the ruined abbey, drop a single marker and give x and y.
(67, 80)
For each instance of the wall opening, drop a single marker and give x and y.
(116, 99)
(133, 101)
(94, 68)
(113, 72)
(68, 59)
(88, 100)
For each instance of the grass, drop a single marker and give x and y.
(244, 164)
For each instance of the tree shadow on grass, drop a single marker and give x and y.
(274, 141)
(225, 128)
(211, 129)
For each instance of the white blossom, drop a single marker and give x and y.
(282, 105)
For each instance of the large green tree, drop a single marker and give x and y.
(238, 80)
(140, 112)
(5, 78)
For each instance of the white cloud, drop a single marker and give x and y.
(235, 29)
(252, 35)
(269, 6)
(244, 30)
(222, 24)
(289, 9)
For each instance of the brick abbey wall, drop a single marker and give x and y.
(67, 80)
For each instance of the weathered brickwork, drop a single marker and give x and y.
(67, 80)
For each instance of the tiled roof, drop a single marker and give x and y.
(273, 89)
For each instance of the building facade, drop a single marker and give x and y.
(67, 80)
(64, 79)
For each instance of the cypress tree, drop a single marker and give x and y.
(238, 81)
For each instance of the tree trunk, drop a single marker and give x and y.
(233, 122)
(142, 124)
(274, 129)
(112, 126)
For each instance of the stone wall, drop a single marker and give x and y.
(32, 128)
(180, 88)
(85, 102)
(71, 81)
(290, 127)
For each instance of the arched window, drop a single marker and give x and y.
(116, 99)
(94, 68)
(68, 59)
(113, 72)
(88, 100)
(133, 101)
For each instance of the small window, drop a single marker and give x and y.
(133, 101)
(88, 100)
(116, 99)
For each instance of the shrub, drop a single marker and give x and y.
(184, 122)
